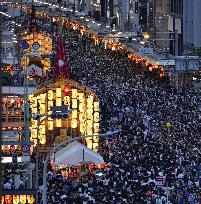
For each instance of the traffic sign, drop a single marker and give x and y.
(99, 174)
(36, 45)
(24, 44)
(59, 177)
(25, 148)
(11, 136)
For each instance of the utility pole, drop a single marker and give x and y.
(1, 168)
(176, 53)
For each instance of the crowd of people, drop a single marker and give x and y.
(141, 104)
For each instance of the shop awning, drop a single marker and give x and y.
(75, 154)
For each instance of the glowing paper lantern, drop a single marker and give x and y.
(16, 199)
(23, 199)
(96, 117)
(58, 102)
(50, 104)
(89, 143)
(58, 122)
(34, 123)
(81, 107)
(95, 139)
(58, 92)
(73, 123)
(89, 127)
(90, 114)
(74, 103)
(74, 93)
(95, 146)
(50, 95)
(96, 127)
(82, 117)
(42, 98)
(30, 199)
(67, 100)
(50, 125)
(42, 108)
(96, 106)
(74, 114)
(82, 128)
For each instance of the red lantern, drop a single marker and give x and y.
(102, 166)
(161, 75)
(12, 148)
(67, 90)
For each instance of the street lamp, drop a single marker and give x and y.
(56, 149)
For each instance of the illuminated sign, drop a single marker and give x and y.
(9, 159)
(19, 159)
(10, 136)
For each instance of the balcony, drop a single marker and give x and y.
(13, 119)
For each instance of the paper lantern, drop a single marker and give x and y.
(89, 103)
(31, 97)
(16, 199)
(42, 140)
(73, 123)
(90, 114)
(58, 92)
(58, 122)
(89, 127)
(67, 100)
(81, 107)
(50, 125)
(89, 143)
(74, 93)
(50, 95)
(34, 123)
(74, 114)
(34, 110)
(8, 199)
(95, 147)
(42, 98)
(74, 103)
(42, 108)
(50, 104)
(2, 200)
(58, 102)
(42, 130)
(96, 117)
(30, 199)
(82, 128)
(96, 106)
(96, 127)
(81, 97)
(82, 117)
(23, 199)
(95, 139)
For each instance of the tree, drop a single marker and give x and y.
(6, 79)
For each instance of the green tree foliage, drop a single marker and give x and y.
(6, 79)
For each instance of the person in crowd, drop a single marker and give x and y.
(146, 149)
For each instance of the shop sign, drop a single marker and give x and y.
(10, 136)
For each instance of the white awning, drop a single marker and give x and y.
(33, 69)
(75, 154)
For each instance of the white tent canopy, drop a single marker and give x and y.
(75, 153)
(33, 69)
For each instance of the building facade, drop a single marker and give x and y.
(192, 24)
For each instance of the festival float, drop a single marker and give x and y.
(36, 53)
(61, 91)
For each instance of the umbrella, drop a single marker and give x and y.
(63, 196)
